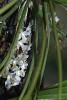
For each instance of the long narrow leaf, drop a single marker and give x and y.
(61, 1)
(7, 6)
(11, 11)
(48, 42)
(50, 94)
(58, 51)
(36, 35)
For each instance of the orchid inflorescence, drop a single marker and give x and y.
(18, 64)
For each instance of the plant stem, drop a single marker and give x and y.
(48, 43)
(58, 51)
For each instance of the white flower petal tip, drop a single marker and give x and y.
(14, 68)
(18, 79)
(31, 4)
(28, 30)
(29, 47)
(23, 36)
(8, 77)
(22, 73)
(20, 43)
(15, 84)
(14, 63)
(0, 22)
(18, 73)
(23, 67)
(56, 19)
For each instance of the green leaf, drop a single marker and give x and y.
(36, 34)
(58, 51)
(50, 93)
(7, 6)
(61, 1)
(11, 11)
(48, 43)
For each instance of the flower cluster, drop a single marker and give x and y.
(18, 64)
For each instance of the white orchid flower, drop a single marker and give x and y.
(29, 47)
(24, 47)
(26, 56)
(24, 66)
(6, 73)
(14, 68)
(23, 57)
(18, 79)
(24, 40)
(8, 84)
(15, 84)
(18, 74)
(22, 73)
(19, 44)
